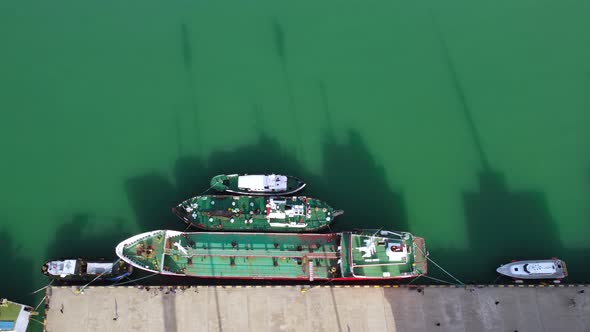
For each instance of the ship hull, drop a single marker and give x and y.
(84, 270)
(534, 269)
(276, 256)
(230, 213)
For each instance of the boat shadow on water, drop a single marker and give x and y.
(349, 179)
(503, 224)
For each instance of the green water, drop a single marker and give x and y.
(466, 123)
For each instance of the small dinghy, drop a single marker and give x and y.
(257, 184)
(535, 269)
(77, 270)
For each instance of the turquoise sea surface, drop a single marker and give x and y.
(463, 122)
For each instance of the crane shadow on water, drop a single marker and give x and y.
(502, 224)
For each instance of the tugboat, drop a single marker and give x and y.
(256, 213)
(257, 184)
(360, 255)
(535, 269)
(81, 270)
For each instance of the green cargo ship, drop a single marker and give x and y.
(362, 255)
(256, 213)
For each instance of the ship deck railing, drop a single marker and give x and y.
(379, 264)
(251, 253)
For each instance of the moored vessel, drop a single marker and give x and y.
(362, 255)
(256, 213)
(79, 269)
(535, 269)
(257, 184)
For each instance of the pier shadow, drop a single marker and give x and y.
(17, 272)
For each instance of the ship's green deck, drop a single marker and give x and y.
(378, 264)
(245, 255)
(251, 213)
(275, 255)
(147, 252)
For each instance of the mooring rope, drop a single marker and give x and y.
(126, 282)
(436, 279)
(498, 277)
(38, 321)
(42, 288)
(418, 277)
(433, 262)
(445, 271)
(303, 290)
(209, 188)
(43, 299)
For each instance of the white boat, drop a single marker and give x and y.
(535, 269)
(257, 184)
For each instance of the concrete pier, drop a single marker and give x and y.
(329, 308)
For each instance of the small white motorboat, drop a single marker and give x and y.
(535, 269)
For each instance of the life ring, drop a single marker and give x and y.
(333, 269)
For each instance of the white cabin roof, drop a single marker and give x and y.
(270, 182)
(533, 268)
(541, 268)
(57, 268)
(98, 268)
